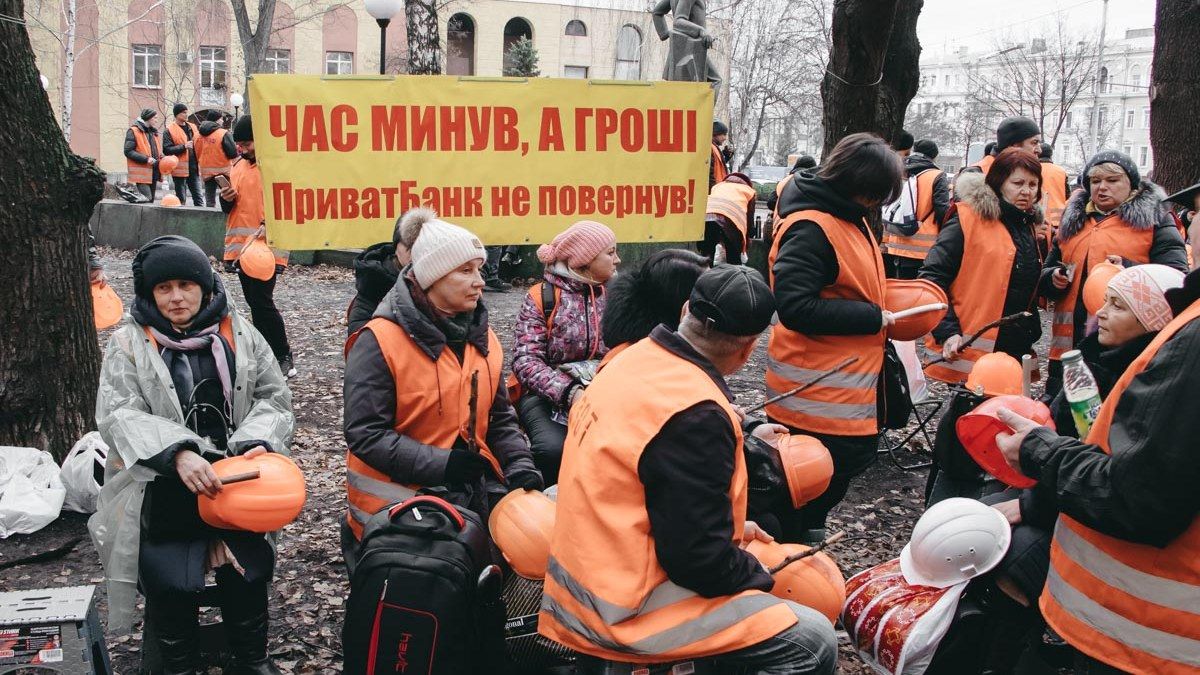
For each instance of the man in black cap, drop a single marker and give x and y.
(722, 152)
(674, 471)
(1189, 199)
(1019, 132)
(142, 152)
(243, 202)
(178, 139)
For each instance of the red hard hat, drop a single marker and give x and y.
(106, 306)
(814, 581)
(1097, 284)
(167, 164)
(264, 504)
(521, 524)
(902, 294)
(977, 432)
(807, 466)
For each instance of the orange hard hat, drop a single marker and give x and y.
(1096, 285)
(257, 261)
(263, 504)
(807, 466)
(106, 306)
(814, 581)
(171, 200)
(167, 164)
(902, 294)
(977, 432)
(996, 374)
(521, 524)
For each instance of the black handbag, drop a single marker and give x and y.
(894, 400)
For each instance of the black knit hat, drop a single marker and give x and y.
(1113, 157)
(719, 128)
(148, 114)
(1047, 152)
(926, 147)
(179, 107)
(732, 299)
(1013, 130)
(170, 257)
(242, 130)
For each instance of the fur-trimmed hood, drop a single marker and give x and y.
(1143, 212)
(971, 189)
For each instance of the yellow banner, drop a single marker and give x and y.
(515, 161)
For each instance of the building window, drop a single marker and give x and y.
(576, 28)
(514, 30)
(1102, 118)
(1135, 77)
(1145, 118)
(339, 63)
(1105, 81)
(575, 72)
(147, 66)
(460, 45)
(1130, 118)
(629, 54)
(1143, 155)
(1128, 150)
(213, 68)
(278, 61)
(1067, 121)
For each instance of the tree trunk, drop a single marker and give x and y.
(254, 40)
(49, 356)
(424, 43)
(850, 90)
(1175, 93)
(762, 118)
(901, 70)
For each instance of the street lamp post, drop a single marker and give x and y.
(236, 101)
(383, 11)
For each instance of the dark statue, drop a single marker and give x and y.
(687, 57)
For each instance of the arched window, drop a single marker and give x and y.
(629, 54)
(460, 45)
(514, 30)
(1105, 80)
(576, 28)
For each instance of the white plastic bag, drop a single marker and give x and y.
(31, 490)
(79, 471)
(918, 386)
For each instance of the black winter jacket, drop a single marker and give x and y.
(375, 272)
(1145, 491)
(151, 138)
(169, 147)
(1107, 365)
(807, 263)
(945, 258)
(227, 145)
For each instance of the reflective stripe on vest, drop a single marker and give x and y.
(1087, 248)
(431, 407)
(1133, 606)
(843, 404)
(179, 137)
(917, 245)
(732, 200)
(248, 212)
(606, 594)
(210, 155)
(978, 292)
(140, 174)
(1054, 192)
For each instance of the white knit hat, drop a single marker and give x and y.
(438, 247)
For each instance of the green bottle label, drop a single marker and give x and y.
(1084, 412)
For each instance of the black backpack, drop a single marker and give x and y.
(425, 594)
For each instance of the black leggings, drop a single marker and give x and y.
(260, 297)
(546, 437)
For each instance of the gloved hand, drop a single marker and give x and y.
(464, 467)
(526, 479)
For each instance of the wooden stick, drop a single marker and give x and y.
(240, 477)
(833, 539)
(1002, 321)
(792, 392)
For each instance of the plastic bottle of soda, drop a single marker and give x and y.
(1082, 393)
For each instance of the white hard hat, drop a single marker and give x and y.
(955, 540)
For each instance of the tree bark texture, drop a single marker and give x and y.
(254, 38)
(1175, 94)
(901, 70)
(424, 43)
(49, 355)
(850, 90)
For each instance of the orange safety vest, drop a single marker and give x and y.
(1133, 606)
(210, 156)
(140, 174)
(1054, 193)
(917, 246)
(432, 407)
(1090, 246)
(606, 593)
(248, 212)
(733, 200)
(978, 291)
(178, 137)
(719, 172)
(843, 404)
(985, 164)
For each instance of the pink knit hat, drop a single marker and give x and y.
(578, 245)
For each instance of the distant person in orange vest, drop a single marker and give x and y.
(1125, 559)
(1056, 188)
(215, 151)
(647, 563)
(142, 153)
(803, 163)
(728, 215)
(1020, 132)
(722, 152)
(827, 275)
(179, 139)
(243, 202)
(911, 224)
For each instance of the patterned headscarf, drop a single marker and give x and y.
(1143, 288)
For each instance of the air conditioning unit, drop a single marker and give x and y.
(185, 58)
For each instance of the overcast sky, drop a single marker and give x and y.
(945, 24)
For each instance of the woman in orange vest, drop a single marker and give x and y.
(728, 215)
(827, 275)
(409, 376)
(1124, 581)
(1120, 216)
(179, 139)
(142, 152)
